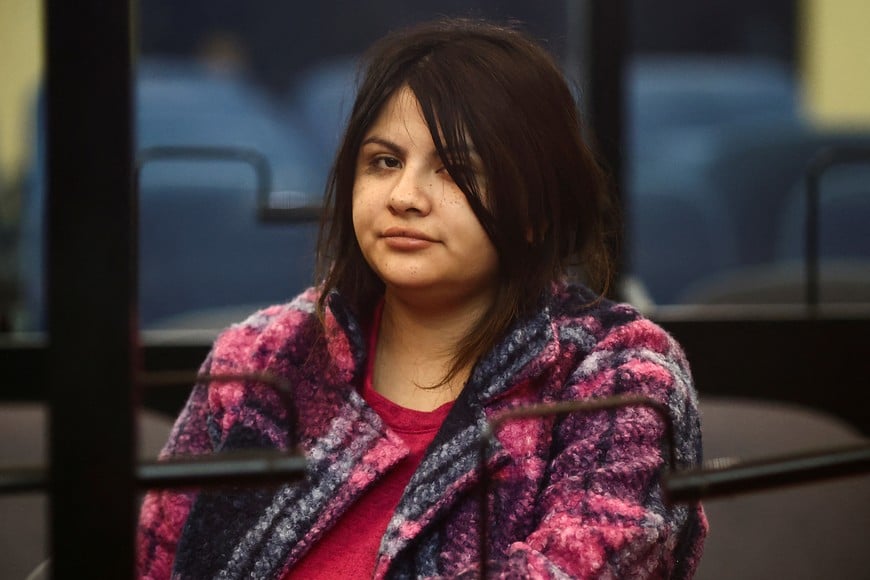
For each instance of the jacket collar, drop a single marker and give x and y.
(526, 351)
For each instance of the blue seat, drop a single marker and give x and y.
(201, 246)
(677, 107)
(844, 215)
(31, 261)
(801, 532)
(680, 91)
(184, 103)
(681, 112)
(674, 240)
(843, 238)
(844, 250)
(755, 171)
(321, 102)
(761, 179)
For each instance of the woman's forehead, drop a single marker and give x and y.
(402, 111)
(401, 106)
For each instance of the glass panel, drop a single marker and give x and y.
(268, 79)
(720, 133)
(21, 63)
(274, 77)
(22, 426)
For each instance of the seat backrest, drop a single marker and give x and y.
(812, 531)
(23, 436)
(844, 215)
(321, 101)
(200, 243)
(678, 91)
(755, 171)
(675, 239)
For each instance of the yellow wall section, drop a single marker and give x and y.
(21, 64)
(836, 61)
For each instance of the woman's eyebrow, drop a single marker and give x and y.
(386, 143)
(400, 151)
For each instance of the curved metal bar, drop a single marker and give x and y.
(23, 480)
(744, 477)
(822, 162)
(252, 157)
(214, 471)
(222, 469)
(248, 469)
(270, 212)
(267, 210)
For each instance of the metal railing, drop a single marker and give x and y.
(818, 166)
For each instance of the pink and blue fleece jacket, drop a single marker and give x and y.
(576, 496)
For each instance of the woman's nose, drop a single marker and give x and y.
(412, 193)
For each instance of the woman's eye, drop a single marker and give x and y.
(386, 162)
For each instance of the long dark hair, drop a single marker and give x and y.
(548, 207)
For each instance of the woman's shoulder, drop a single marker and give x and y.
(279, 321)
(617, 351)
(604, 324)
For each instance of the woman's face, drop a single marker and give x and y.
(412, 222)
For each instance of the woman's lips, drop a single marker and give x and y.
(406, 239)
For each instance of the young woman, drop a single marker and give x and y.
(462, 197)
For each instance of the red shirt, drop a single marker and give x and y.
(350, 548)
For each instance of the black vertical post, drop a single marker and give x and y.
(91, 287)
(608, 37)
(608, 45)
(811, 242)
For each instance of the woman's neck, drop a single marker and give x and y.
(416, 348)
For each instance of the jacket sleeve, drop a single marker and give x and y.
(164, 512)
(212, 413)
(602, 512)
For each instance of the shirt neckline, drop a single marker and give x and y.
(399, 418)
